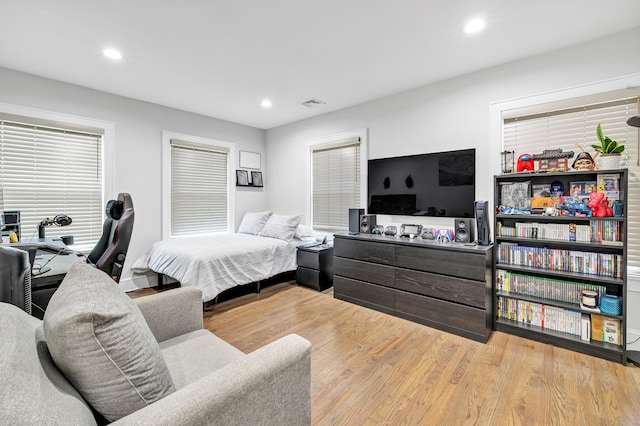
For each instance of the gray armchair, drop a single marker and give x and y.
(215, 383)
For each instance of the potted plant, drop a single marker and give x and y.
(608, 150)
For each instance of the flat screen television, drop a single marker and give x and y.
(435, 184)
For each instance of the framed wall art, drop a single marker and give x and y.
(249, 160)
(242, 178)
(256, 179)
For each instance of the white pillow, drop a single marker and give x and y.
(281, 227)
(253, 222)
(303, 231)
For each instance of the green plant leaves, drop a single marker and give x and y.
(607, 145)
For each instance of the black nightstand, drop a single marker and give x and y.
(315, 267)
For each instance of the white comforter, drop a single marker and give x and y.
(219, 262)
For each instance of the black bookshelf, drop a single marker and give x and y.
(537, 225)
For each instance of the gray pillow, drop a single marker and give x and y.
(100, 341)
(253, 222)
(281, 226)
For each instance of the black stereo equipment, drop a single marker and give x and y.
(463, 230)
(482, 222)
(367, 223)
(354, 220)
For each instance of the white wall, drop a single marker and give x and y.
(452, 114)
(138, 145)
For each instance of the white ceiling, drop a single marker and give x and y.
(220, 58)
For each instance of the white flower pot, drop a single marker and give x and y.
(608, 161)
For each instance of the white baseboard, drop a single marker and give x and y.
(131, 284)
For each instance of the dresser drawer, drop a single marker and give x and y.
(458, 319)
(459, 290)
(315, 258)
(313, 278)
(367, 251)
(364, 294)
(441, 261)
(364, 271)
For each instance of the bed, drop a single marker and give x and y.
(261, 249)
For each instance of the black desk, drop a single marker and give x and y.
(52, 253)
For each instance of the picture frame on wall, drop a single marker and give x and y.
(256, 179)
(242, 178)
(249, 160)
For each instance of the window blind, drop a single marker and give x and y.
(335, 185)
(45, 171)
(566, 127)
(199, 189)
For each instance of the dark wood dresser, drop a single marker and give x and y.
(442, 285)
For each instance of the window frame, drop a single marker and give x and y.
(230, 147)
(56, 119)
(333, 141)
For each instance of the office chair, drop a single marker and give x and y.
(110, 252)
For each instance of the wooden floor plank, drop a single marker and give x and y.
(369, 368)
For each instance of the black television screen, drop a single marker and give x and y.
(436, 184)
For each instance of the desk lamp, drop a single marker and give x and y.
(58, 220)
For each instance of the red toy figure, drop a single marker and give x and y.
(599, 205)
(525, 162)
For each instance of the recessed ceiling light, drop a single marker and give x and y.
(112, 54)
(474, 26)
(266, 103)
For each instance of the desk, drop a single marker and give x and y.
(57, 260)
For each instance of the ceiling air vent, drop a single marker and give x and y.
(313, 102)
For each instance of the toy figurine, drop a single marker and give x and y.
(584, 161)
(575, 209)
(525, 163)
(599, 205)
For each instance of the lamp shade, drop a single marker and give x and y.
(634, 121)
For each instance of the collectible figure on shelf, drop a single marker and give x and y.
(575, 209)
(525, 163)
(511, 210)
(584, 161)
(444, 236)
(553, 160)
(599, 205)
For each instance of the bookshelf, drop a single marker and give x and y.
(551, 271)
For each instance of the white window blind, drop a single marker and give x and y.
(335, 185)
(199, 189)
(564, 128)
(45, 171)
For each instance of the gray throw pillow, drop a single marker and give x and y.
(281, 226)
(100, 341)
(253, 222)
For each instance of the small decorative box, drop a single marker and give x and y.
(610, 305)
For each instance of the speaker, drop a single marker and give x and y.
(463, 230)
(481, 209)
(354, 220)
(367, 223)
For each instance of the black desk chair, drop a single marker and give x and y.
(110, 252)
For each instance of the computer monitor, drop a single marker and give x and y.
(15, 277)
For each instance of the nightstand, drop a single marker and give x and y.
(315, 267)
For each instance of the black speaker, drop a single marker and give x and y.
(354, 220)
(463, 230)
(482, 222)
(367, 223)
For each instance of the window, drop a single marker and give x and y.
(546, 127)
(336, 183)
(197, 186)
(47, 170)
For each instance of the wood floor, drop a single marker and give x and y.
(369, 368)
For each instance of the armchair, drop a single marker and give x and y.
(215, 383)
